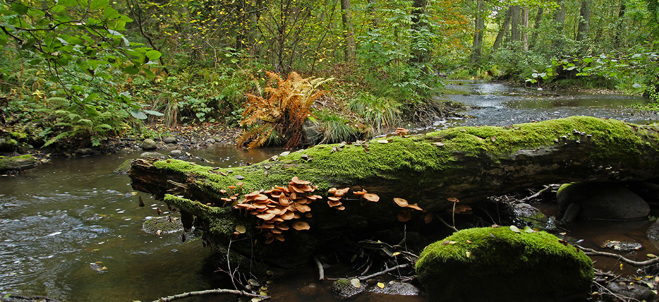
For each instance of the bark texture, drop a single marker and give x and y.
(469, 163)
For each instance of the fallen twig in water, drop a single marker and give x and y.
(593, 252)
(211, 292)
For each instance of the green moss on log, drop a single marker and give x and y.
(20, 162)
(507, 266)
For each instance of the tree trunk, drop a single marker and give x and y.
(469, 163)
(536, 28)
(559, 23)
(348, 30)
(621, 14)
(478, 33)
(584, 20)
(515, 21)
(524, 36)
(503, 31)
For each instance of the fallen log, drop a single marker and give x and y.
(431, 170)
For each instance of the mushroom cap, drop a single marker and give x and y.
(283, 200)
(341, 192)
(241, 229)
(240, 184)
(302, 208)
(334, 198)
(282, 226)
(428, 218)
(301, 225)
(332, 190)
(298, 181)
(371, 197)
(401, 202)
(333, 203)
(452, 199)
(462, 209)
(266, 216)
(223, 191)
(404, 216)
(415, 206)
(288, 215)
(359, 193)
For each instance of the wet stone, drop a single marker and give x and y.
(396, 288)
(162, 225)
(170, 140)
(149, 144)
(344, 288)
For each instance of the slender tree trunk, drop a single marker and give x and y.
(524, 34)
(559, 23)
(421, 46)
(536, 28)
(348, 30)
(584, 20)
(515, 22)
(504, 30)
(478, 34)
(617, 41)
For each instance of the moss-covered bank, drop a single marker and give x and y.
(17, 163)
(498, 264)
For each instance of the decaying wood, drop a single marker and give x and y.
(469, 163)
(212, 292)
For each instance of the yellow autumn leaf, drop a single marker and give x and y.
(380, 285)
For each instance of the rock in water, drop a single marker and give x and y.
(497, 264)
(602, 201)
(149, 144)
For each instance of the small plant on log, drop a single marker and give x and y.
(280, 114)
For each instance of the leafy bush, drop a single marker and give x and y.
(282, 112)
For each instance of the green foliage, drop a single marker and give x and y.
(381, 112)
(69, 56)
(333, 128)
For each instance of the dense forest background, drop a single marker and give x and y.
(86, 70)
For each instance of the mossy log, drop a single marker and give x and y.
(468, 163)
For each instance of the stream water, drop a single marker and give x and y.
(71, 229)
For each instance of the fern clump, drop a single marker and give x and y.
(281, 111)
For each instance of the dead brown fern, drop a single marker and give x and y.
(282, 112)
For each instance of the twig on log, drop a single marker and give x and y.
(321, 271)
(211, 292)
(593, 252)
(363, 278)
(527, 198)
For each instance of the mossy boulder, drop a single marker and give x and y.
(17, 163)
(499, 264)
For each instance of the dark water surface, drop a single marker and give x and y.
(62, 219)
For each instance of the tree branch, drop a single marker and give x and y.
(211, 292)
(593, 252)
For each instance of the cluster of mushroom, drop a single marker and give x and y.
(279, 205)
(405, 215)
(233, 198)
(335, 200)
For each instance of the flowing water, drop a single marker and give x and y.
(71, 229)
